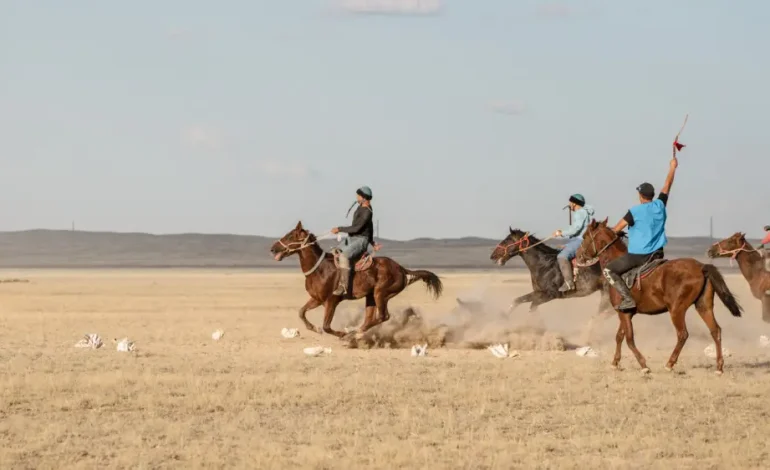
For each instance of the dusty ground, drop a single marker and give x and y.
(253, 400)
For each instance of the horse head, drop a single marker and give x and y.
(297, 239)
(729, 247)
(512, 245)
(597, 237)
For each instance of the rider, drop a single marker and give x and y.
(360, 236)
(765, 240)
(646, 224)
(582, 215)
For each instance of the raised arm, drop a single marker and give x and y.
(670, 177)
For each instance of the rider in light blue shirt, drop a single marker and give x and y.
(582, 214)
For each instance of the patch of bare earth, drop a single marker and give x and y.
(254, 400)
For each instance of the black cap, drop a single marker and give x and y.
(646, 190)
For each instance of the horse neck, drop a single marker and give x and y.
(308, 257)
(750, 264)
(612, 253)
(534, 258)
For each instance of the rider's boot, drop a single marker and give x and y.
(615, 281)
(342, 286)
(566, 272)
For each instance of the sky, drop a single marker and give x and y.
(465, 117)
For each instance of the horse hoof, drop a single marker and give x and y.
(669, 369)
(718, 372)
(645, 371)
(614, 367)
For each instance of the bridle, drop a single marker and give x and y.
(598, 253)
(733, 254)
(291, 247)
(522, 244)
(288, 247)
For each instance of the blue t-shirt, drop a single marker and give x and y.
(647, 226)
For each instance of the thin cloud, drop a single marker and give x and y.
(392, 7)
(178, 33)
(556, 10)
(202, 137)
(509, 108)
(288, 170)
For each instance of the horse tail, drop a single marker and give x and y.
(432, 282)
(720, 287)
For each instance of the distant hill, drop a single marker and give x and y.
(73, 249)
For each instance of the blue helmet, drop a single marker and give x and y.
(365, 192)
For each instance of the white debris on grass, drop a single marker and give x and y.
(290, 333)
(217, 335)
(501, 351)
(420, 350)
(91, 340)
(317, 351)
(124, 345)
(711, 351)
(586, 351)
(764, 341)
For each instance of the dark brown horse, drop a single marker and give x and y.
(751, 264)
(671, 287)
(546, 275)
(379, 283)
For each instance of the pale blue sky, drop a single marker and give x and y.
(245, 116)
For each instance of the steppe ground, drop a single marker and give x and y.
(254, 400)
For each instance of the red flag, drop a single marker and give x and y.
(678, 146)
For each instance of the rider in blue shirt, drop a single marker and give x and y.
(646, 224)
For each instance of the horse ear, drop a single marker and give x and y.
(743, 235)
(299, 226)
(511, 230)
(604, 222)
(592, 225)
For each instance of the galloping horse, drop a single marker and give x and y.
(380, 282)
(662, 286)
(751, 264)
(546, 275)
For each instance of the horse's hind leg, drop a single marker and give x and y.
(705, 307)
(628, 326)
(677, 318)
(309, 305)
(331, 306)
(371, 311)
(618, 342)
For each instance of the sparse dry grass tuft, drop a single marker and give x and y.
(253, 400)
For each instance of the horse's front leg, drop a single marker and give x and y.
(309, 305)
(520, 300)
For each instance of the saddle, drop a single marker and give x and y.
(635, 275)
(362, 264)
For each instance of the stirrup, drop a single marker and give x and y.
(566, 287)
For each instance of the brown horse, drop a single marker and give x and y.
(672, 286)
(379, 283)
(750, 262)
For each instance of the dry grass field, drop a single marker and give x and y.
(254, 400)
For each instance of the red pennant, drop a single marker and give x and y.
(679, 146)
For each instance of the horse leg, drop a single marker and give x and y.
(628, 326)
(309, 305)
(705, 307)
(331, 305)
(538, 299)
(520, 300)
(371, 309)
(618, 342)
(677, 318)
